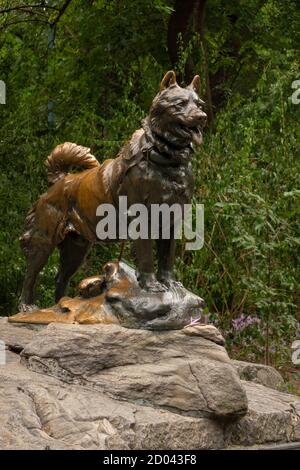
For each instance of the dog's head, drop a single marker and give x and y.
(176, 113)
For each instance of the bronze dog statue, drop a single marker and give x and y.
(153, 167)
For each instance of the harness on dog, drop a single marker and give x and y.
(146, 144)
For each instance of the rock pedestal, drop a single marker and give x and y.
(108, 387)
(187, 371)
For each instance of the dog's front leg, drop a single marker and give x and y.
(166, 259)
(142, 251)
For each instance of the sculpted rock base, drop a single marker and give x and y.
(116, 297)
(189, 374)
(108, 387)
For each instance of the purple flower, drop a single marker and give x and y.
(242, 322)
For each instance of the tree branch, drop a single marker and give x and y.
(28, 10)
(26, 7)
(12, 23)
(61, 12)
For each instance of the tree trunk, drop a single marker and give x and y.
(188, 17)
(178, 24)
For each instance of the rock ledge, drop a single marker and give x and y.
(107, 387)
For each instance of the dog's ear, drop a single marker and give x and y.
(168, 80)
(195, 84)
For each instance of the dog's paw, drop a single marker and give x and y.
(149, 283)
(167, 279)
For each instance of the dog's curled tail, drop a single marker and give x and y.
(68, 155)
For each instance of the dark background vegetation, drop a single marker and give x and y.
(101, 74)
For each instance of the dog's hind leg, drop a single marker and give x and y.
(37, 256)
(73, 250)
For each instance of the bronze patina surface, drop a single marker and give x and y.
(116, 297)
(154, 167)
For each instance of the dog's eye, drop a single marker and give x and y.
(180, 103)
(199, 103)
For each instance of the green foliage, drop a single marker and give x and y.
(247, 177)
